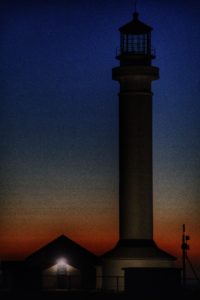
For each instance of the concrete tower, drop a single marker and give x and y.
(136, 248)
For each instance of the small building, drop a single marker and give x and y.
(155, 280)
(61, 264)
(12, 275)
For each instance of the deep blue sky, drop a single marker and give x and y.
(59, 121)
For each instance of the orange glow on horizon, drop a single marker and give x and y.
(19, 247)
(18, 243)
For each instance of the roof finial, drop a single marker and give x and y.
(135, 15)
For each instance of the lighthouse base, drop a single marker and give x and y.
(139, 256)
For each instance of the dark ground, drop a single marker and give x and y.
(94, 295)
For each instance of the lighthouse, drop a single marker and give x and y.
(136, 250)
(135, 75)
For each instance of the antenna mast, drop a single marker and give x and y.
(135, 5)
(185, 257)
(184, 247)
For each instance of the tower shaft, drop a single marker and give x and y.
(135, 150)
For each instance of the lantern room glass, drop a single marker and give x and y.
(136, 43)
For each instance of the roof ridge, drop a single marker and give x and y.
(61, 238)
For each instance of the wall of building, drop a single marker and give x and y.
(61, 277)
(113, 270)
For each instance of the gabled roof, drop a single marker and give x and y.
(61, 247)
(135, 26)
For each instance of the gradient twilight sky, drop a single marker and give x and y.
(59, 122)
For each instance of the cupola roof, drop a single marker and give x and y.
(135, 26)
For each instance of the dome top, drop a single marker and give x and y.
(135, 26)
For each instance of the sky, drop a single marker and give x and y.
(59, 123)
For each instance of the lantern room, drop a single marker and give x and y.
(135, 45)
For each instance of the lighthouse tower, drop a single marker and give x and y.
(136, 248)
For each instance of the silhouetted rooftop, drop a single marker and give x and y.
(62, 246)
(135, 26)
